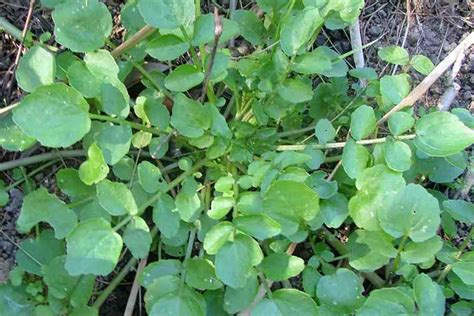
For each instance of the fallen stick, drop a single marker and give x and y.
(423, 87)
(452, 87)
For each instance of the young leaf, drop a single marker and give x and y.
(324, 131)
(315, 62)
(340, 292)
(101, 64)
(98, 257)
(200, 274)
(397, 155)
(362, 122)
(422, 64)
(288, 202)
(189, 117)
(167, 47)
(167, 14)
(413, 212)
(166, 217)
(217, 236)
(149, 177)
(281, 266)
(116, 198)
(441, 134)
(82, 25)
(13, 138)
(286, 302)
(94, 169)
(56, 115)
(158, 269)
(259, 226)
(183, 78)
(235, 259)
(36, 68)
(114, 142)
(40, 206)
(421, 252)
(354, 158)
(188, 206)
(137, 237)
(298, 29)
(394, 88)
(400, 122)
(394, 54)
(334, 210)
(69, 182)
(220, 206)
(295, 91)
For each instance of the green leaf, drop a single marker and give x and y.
(116, 198)
(441, 134)
(183, 78)
(158, 269)
(130, 17)
(69, 182)
(150, 177)
(179, 304)
(397, 155)
(334, 210)
(14, 302)
(235, 259)
(62, 285)
(166, 217)
(220, 206)
(325, 189)
(465, 270)
(188, 206)
(13, 138)
(36, 253)
(101, 64)
(460, 210)
(324, 131)
(341, 292)
(40, 206)
(114, 142)
(286, 302)
(394, 88)
(94, 169)
(189, 117)
(137, 237)
(414, 253)
(298, 29)
(167, 14)
(289, 158)
(394, 54)
(397, 300)
(82, 79)
(295, 91)
(115, 98)
(376, 188)
(167, 47)
(354, 158)
(56, 115)
(36, 68)
(200, 274)
(288, 202)
(462, 289)
(364, 73)
(370, 250)
(82, 25)
(204, 30)
(422, 64)
(315, 62)
(414, 213)
(281, 266)
(217, 236)
(236, 300)
(400, 122)
(98, 257)
(363, 122)
(259, 226)
(251, 27)
(428, 296)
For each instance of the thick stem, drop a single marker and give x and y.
(342, 144)
(10, 28)
(40, 158)
(133, 41)
(449, 267)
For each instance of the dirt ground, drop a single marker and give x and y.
(436, 27)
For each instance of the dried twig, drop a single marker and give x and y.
(217, 36)
(356, 42)
(20, 50)
(134, 291)
(423, 87)
(452, 87)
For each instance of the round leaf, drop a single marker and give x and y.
(324, 131)
(281, 266)
(217, 236)
(422, 64)
(400, 122)
(362, 122)
(286, 302)
(183, 78)
(82, 25)
(167, 47)
(354, 158)
(394, 54)
(397, 155)
(94, 169)
(137, 237)
(189, 117)
(200, 274)
(167, 14)
(259, 226)
(428, 296)
(295, 91)
(56, 115)
(116, 198)
(36, 68)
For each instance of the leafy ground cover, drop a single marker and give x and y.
(223, 164)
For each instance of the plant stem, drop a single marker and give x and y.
(10, 29)
(396, 262)
(150, 78)
(191, 50)
(448, 267)
(40, 158)
(118, 120)
(342, 144)
(32, 173)
(133, 41)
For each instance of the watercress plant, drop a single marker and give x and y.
(259, 183)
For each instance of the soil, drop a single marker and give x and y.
(436, 27)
